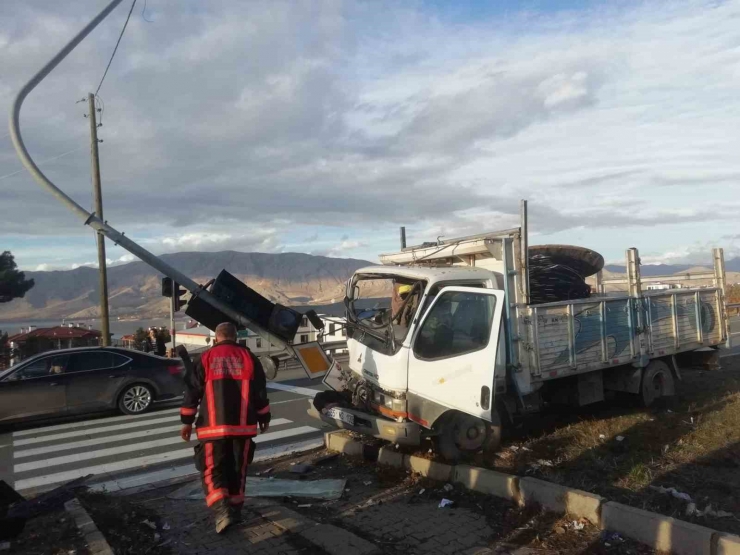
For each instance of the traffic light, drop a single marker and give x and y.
(177, 293)
(167, 287)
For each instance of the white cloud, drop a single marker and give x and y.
(43, 268)
(618, 123)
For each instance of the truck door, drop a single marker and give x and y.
(453, 354)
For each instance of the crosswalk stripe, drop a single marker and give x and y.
(112, 439)
(137, 462)
(95, 422)
(90, 431)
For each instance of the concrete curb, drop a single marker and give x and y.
(96, 542)
(657, 531)
(561, 499)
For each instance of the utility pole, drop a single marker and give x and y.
(173, 300)
(104, 316)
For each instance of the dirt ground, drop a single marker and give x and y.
(55, 533)
(691, 443)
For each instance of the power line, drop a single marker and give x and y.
(116, 48)
(57, 157)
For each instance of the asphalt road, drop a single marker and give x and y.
(125, 451)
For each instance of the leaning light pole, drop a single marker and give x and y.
(95, 222)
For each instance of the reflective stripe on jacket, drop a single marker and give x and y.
(229, 386)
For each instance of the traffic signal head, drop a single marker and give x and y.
(167, 287)
(178, 293)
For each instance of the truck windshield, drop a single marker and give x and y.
(384, 307)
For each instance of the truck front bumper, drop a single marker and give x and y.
(403, 433)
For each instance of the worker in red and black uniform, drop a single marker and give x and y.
(229, 386)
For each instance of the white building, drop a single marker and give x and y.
(200, 338)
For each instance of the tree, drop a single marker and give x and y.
(13, 283)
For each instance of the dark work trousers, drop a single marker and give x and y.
(222, 464)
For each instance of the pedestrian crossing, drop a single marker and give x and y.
(146, 443)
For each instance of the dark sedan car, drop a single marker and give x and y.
(73, 381)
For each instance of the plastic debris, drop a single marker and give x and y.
(150, 524)
(544, 462)
(368, 483)
(619, 438)
(448, 487)
(305, 506)
(577, 525)
(165, 526)
(446, 503)
(691, 510)
(602, 436)
(422, 490)
(674, 492)
(4, 546)
(156, 537)
(526, 449)
(514, 448)
(265, 472)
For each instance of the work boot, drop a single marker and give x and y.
(236, 514)
(223, 517)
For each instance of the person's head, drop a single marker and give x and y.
(225, 332)
(152, 333)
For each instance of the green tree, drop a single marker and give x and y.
(139, 338)
(13, 283)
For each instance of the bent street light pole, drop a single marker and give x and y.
(91, 219)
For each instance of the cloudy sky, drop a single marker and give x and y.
(322, 126)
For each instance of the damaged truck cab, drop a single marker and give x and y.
(434, 357)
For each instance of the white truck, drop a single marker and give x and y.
(470, 351)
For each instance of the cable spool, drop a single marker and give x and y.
(559, 272)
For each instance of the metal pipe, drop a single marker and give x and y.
(403, 237)
(93, 221)
(525, 251)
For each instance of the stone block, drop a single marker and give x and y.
(657, 531)
(388, 456)
(428, 469)
(487, 481)
(727, 544)
(554, 497)
(341, 442)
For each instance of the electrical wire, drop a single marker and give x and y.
(57, 157)
(116, 47)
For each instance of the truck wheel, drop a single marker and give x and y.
(657, 382)
(460, 434)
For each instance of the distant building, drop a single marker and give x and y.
(663, 286)
(33, 340)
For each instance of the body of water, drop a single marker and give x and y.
(117, 327)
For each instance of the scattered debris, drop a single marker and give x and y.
(368, 483)
(4, 546)
(271, 487)
(422, 490)
(150, 524)
(602, 436)
(619, 438)
(691, 510)
(264, 472)
(305, 506)
(446, 503)
(577, 525)
(301, 468)
(526, 449)
(448, 487)
(156, 537)
(514, 448)
(612, 537)
(165, 526)
(672, 491)
(560, 530)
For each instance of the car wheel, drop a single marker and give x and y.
(136, 399)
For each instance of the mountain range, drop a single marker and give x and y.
(291, 279)
(135, 288)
